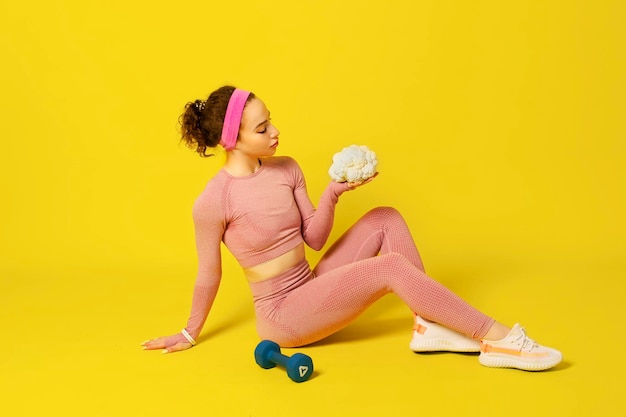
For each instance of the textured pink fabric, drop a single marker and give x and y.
(232, 119)
(302, 306)
(263, 215)
(258, 217)
(266, 214)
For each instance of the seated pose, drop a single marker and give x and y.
(258, 205)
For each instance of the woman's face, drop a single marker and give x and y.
(257, 135)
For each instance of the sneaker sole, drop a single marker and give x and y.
(496, 361)
(442, 345)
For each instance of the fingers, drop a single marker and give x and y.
(353, 185)
(160, 343)
(152, 344)
(370, 179)
(177, 347)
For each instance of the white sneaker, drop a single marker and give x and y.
(433, 337)
(519, 351)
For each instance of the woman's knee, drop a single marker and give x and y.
(383, 215)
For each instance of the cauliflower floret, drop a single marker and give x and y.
(353, 164)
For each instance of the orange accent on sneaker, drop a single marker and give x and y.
(419, 328)
(487, 348)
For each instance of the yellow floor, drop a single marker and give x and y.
(71, 346)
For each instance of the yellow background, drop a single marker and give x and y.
(501, 134)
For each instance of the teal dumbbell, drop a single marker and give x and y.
(299, 366)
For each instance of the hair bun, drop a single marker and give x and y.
(199, 105)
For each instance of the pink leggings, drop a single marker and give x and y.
(300, 306)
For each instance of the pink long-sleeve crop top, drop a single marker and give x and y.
(258, 217)
(265, 214)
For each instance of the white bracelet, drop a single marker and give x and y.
(188, 337)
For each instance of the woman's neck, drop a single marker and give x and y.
(240, 165)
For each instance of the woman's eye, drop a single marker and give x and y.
(263, 131)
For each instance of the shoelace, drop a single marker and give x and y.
(526, 342)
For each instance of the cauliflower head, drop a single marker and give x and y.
(353, 164)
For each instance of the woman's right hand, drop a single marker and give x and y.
(169, 344)
(353, 185)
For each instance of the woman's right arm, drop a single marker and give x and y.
(209, 229)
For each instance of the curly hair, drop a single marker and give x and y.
(201, 122)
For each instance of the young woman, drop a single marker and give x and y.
(258, 205)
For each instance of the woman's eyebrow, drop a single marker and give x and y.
(264, 121)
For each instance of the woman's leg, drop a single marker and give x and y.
(332, 300)
(380, 231)
(350, 277)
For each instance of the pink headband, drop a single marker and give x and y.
(232, 120)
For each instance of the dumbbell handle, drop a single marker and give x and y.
(279, 359)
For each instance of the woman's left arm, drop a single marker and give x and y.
(318, 223)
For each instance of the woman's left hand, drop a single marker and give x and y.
(353, 185)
